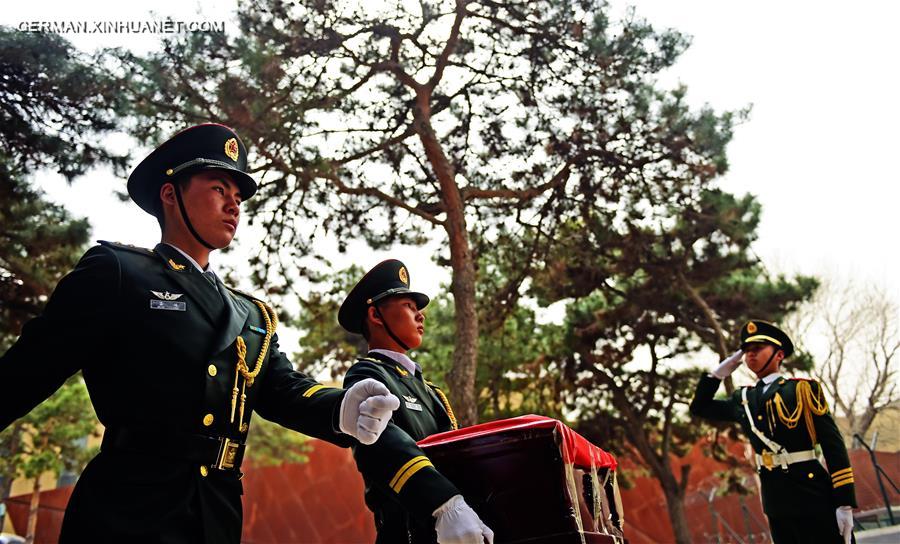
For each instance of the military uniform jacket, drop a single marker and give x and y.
(401, 508)
(156, 341)
(805, 488)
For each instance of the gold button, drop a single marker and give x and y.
(204, 471)
(208, 419)
(169, 172)
(810, 475)
(212, 370)
(759, 417)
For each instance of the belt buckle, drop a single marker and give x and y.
(228, 451)
(768, 460)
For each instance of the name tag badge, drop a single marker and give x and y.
(414, 406)
(168, 305)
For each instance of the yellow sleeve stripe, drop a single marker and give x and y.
(312, 390)
(845, 481)
(408, 464)
(409, 474)
(848, 470)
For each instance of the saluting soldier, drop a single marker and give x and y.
(787, 421)
(175, 361)
(389, 315)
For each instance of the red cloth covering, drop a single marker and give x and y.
(575, 448)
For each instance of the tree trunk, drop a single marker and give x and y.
(863, 422)
(33, 510)
(660, 466)
(675, 506)
(465, 355)
(10, 454)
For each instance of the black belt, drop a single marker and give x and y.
(216, 452)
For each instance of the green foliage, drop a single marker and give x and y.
(324, 345)
(56, 105)
(39, 242)
(270, 444)
(515, 375)
(51, 437)
(646, 283)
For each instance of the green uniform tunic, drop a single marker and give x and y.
(399, 512)
(805, 491)
(157, 343)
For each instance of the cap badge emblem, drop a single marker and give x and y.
(231, 149)
(751, 327)
(404, 277)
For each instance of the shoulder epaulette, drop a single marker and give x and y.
(243, 294)
(369, 360)
(128, 247)
(396, 366)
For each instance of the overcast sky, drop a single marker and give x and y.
(818, 150)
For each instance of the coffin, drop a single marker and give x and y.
(533, 480)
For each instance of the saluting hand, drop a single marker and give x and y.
(366, 410)
(457, 523)
(728, 366)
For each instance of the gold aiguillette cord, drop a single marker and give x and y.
(242, 369)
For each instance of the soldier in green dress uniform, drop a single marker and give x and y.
(175, 361)
(389, 315)
(788, 423)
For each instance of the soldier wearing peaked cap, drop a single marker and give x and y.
(410, 499)
(789, 424)
(175, 361)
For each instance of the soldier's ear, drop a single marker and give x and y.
(372, 316)
(167, 194)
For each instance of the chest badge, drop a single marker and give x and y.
(167, 301)
(412, 404)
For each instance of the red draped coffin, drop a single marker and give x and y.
(533, 480)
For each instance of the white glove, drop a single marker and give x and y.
(366, 410)
(845, 522)
(457, 523)
(728, 366)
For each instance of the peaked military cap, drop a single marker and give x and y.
(201, 147)
(758, 331)
(387, 279)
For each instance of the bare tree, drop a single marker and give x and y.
(858, 327)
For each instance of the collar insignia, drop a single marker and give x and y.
(175, 266)
(402, 371)
(231, 149)
(167, 295)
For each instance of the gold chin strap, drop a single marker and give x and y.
(242, 369)
(446, 402)
(807, 406)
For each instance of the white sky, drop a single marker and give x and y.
(818, 150)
